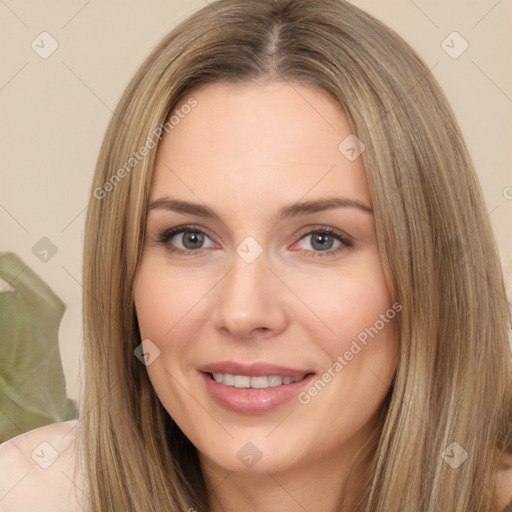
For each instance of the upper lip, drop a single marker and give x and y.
(258, 369)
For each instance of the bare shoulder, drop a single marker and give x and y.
(504, 483)
(37, 470)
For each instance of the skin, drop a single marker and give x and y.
(245, 152)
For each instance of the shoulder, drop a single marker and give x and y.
(37, 470)
(504, 483)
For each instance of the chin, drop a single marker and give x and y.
(252, 457)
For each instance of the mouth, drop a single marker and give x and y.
(253, 389)
(255, 382)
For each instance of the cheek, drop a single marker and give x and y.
(348, 302)
(164, 305)
(162, 299)
(360, 351)
(359, 359)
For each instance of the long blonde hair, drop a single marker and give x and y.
(453, 379)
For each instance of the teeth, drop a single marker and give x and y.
(244, 381)
(229, 380)
(274, 380)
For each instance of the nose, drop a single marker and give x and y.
(250, 301)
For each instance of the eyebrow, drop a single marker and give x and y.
(295, 209)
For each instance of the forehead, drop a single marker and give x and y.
(263, 141)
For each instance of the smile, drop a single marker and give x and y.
(255, 394)
(259, 382)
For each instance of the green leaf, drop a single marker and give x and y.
(32, 384)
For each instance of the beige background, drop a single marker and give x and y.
(54, 113)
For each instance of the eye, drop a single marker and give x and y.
(191, 238)
(323, 239)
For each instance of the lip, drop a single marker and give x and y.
(248, 401)
(253, 369)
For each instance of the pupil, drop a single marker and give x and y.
(322, 240)
(196, 240)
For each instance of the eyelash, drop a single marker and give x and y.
(166, 235)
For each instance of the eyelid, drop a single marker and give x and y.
(346, 241)
(167, 234)
(318, 228)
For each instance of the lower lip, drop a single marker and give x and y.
(253, 401)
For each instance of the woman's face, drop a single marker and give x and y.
(254, 289)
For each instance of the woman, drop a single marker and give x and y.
(293, 298)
